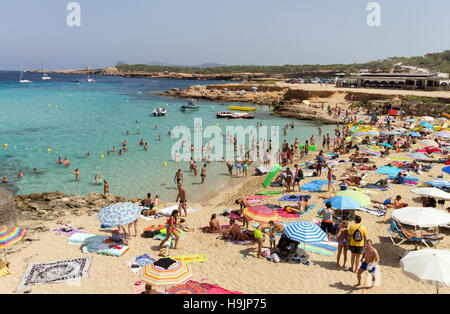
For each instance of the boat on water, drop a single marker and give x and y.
(90, 79)
(159, 112)
(45, 77)
(22, 80)
(223, 114)
(190, 106)
(248, 116)
(240, 108)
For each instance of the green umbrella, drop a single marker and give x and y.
(361, 198)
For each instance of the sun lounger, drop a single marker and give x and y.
(394, 231)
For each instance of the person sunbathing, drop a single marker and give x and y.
(303, 204)
(418, 234)
(149, 289)
(235, 233)
(182, 226)
(353, 180)
(328, 196)
(214, 225)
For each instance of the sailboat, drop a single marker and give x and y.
(90, 79)
(45, 77)
(22, 80)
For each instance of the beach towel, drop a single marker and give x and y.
(116, 250)
(205, 229)
(284, 214)
(54, 272)
(164, 262)
(220, 290)
(138, 262)
(408, 180)
(155, 227)
(236, 217)
(192, 258)
(168, 211)
(240, 242)
(377, 187)
(375, 212)
(293, 198)
(315, 186)
(4, 271)
(149, 218)
(161, 236)
(270, 193)
(323, 248)
(85, 239)
(390, 171)
(70, 233)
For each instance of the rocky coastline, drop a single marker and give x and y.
(50, 206)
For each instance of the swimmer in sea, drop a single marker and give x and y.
(159, 137)
(138, 132)
(120, 152)
(113, 149)
(98, 179)
(66, 162)
(59, 161)
(20, 174)
(145, 146)
(4, 179)
(76, 172)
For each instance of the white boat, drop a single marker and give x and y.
(22, 80)
(45, 77)
(159, 112)
(90, 79)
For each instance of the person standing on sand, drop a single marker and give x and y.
(342, 237)
(203, 174)
(370, 261)
(183, 201)
(357, 235)
(330, 179)
(172, 229)
(320, 162)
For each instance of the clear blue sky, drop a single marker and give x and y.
(263, 32)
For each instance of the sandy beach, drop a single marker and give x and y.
(226, 264)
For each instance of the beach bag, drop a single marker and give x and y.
(150, 233)
(66, 228)
(265, 252)
(357, 236)
(275, 258)
(164, 252)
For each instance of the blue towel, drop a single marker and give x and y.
(390, 171)
(293, 198)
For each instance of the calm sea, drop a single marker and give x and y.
(71, 120)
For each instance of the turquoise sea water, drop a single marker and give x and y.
(94, 117)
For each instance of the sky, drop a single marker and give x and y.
(232, 32)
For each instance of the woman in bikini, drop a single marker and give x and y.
(172, 229)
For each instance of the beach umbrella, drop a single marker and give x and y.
(441, 183)
(261, 214)
(361, 198)
(443, 134)
(176, 274)
(427, 118)
(424, 217)
(366, 133)
(411, 120)
(373, 150)
(119, 214)
(428, 143)
(386, 145)
(415, 134)
(190, 287)
(419, 156)
(303, 231)
(429, 266)
(344, 202)
(446, 169)
(432, 192)
(432, 149)
(10, 236)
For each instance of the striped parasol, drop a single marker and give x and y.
(177, 274)
(419, 156)
(443, 134)
(303, 231)
(190, 287)
(119, 214)
(373, 150)
(428, 143)
(261, 214)
(10, 236)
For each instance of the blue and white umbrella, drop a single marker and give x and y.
(414, 134)
(119, 214)
(386, 145)
(343, 203)
(441, 183)
(427, 125)
(446, 169)
(303, 231)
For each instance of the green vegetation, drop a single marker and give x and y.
(433, 61)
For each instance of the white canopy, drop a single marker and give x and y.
(421, 216)
(432, 192)
(429, 266)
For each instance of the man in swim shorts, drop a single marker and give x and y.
(370, 261)
(182, 197)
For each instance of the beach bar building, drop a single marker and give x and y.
(410, 81)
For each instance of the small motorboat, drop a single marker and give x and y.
(241, 108)
(159, 112)
(223, 114)
(248, 116)
(190, 106)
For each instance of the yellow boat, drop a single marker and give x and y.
(242, 108)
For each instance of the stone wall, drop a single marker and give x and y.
(8, 211)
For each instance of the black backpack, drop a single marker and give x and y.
(357, 236)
